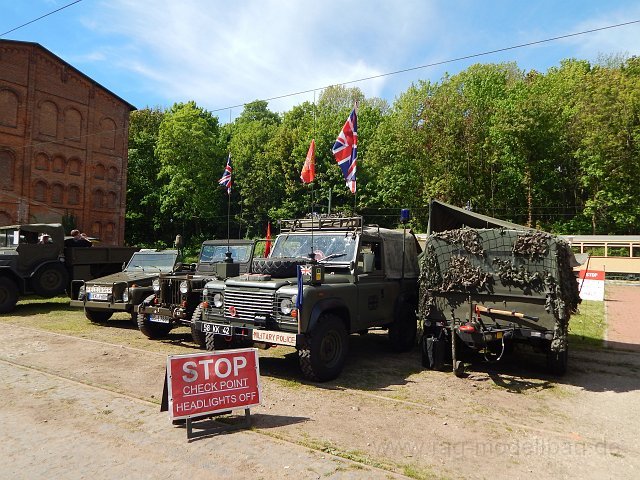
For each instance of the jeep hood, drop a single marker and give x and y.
(129, 277)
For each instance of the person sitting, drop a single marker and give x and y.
(45, 239)
(79, 240)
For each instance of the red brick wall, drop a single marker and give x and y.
(63, 144)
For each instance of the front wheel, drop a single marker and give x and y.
(8, 295)
(199, 337)
(324, 355)
(97, 316)
(151, 329)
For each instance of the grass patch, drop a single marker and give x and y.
(587, 328)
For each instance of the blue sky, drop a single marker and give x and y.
(221, 54)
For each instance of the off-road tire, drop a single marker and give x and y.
(50, 280)
(8, 295)
(97, 316)
(403, 331)
(151, 329)
(215, 342)
(199, 338)
(557, 361)
(323, 357)
(277, 267)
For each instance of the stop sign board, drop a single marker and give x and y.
(206, 383)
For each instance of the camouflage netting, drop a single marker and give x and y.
(497, 260)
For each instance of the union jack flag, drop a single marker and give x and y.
(345, 150)
(225, 180)
(305, 269)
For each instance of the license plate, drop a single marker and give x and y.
(216, 329)
(98, 296)
(159, 318)
(278, 338)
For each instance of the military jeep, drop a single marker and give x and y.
(326, 277)
(123, 291)
(177, 294)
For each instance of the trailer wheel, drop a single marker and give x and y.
(199, 338)
(151, 329)
(97, 316)
(50, 280)
(323, 357)
(403, 331)
(557, 361)
(8, 295)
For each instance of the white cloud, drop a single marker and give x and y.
(223, 54)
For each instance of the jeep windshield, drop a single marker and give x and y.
(218, 253)
(328, 248)
(152, 262)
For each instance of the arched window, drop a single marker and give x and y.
(58, 163)
(98, 199)
(74, 166)
(96, 229)
(40, 191)
(111, 199)
(7, 162)
(42, 161)
(113, 174)
(9, 102)
(107, 133)
(99, 172)
(74, 195)
(57, 193)
(48, 119)
(110, 232)
(72, 125)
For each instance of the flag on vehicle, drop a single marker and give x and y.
(225, 180)
(345, 150)
(300, 291)
(267, 246)
(309, 168)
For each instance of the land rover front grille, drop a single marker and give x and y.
(170, 291)
(246, 304)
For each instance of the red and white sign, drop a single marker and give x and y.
(206, 383)
(278, 338)
(591, 285)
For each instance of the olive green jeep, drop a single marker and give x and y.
(325, 278)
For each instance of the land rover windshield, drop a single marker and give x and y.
(328, 248)
(217, 253)
(152, 262)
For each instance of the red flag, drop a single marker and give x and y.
(267, 246)
(309, 167)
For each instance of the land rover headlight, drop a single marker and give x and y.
(156, 284)
(286, 306)
(218, 300)
(125, 295)
(184, 286)
(205, 293)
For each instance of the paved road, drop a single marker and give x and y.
(623, 316)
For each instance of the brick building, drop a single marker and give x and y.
(63, 144)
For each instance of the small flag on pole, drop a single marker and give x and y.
(345, 150)
(225, 180)
(309, 167)
(300, 290)
(267, 246)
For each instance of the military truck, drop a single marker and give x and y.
(176, 295)
(486, 284)
(326, 278)
(35, 261)
(124, 291)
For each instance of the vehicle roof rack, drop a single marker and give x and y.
(322, 223)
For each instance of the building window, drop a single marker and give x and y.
(74, 195)
(111, 199)
(100, 171)
(9, 102)
(58, 164)
(57, 193)
(107, 133)
(110, 232)
(48, 119)
(40, 191)
(96, 229)
(5, 218)
(72, 125)
(98, 199)
(42, 161)
(7, 163)
(113, 174)
(74, 166)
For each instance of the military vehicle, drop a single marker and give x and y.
(486, 284)
(326, 277)
(124, 291)
(176, 295)
(35, 261)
